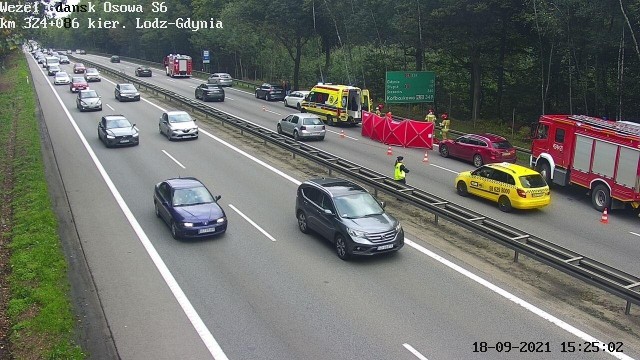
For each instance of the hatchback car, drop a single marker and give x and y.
(116, 130)
(187, 206)
(92, 74)
(302, 126)
(143, 71)
(64, 59)
(270, 92)
(222, 79)
(295, 98)
(347, 215)
(78, 68)
(78, 83)
(479, 149)
(115, 59)
(126, 92)
(88, 100)
(208, 92)
(52, 69)
(61, 78)
(178, 125)
(510, 185)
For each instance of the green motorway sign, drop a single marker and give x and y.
(410, 87)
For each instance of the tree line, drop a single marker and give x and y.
(492, 58)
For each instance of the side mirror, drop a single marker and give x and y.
(194, 120)
(217, 197)
(328, 212)
(382, 204)
(134, 125)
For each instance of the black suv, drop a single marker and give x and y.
(115, 59)
(270, 92)
(347, 215)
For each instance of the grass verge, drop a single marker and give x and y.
(39, 308)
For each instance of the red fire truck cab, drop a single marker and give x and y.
(178, 65)
(602, 156)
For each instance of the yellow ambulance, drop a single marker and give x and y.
(337, 104)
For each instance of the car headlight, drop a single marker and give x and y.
(110, 137)
(221, 220)
(137, 94)
(398, 227)
(135, 135)
(355, 233)
(187, 224)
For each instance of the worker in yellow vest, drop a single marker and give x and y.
(400, 171)
(431, 117)
(445, 126)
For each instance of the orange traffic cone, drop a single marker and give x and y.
(264, 108)
(425, 159)
(605, 217)
(389, 151)
(342, 135)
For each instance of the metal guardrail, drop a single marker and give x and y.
(607, 278)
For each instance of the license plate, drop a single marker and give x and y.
(207, 230)
(537, 194)
(385, 247)
(507, 153)
(124, 141)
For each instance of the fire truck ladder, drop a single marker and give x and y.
(622, 128)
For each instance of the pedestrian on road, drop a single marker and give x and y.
(445, 126)
(431, 117)
(400, 171)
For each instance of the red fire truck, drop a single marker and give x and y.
(178, 65)
(602, 156)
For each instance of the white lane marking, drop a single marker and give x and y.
(205, 335)
(242, 91)
(414, 352)
(636, 234)
(171, 80)
(513, 298)
(109, 106)
(273, 112)
(444, 168)
(252, 223)
(228, 98)
(174, 159)
(345, 135)
(193, 87)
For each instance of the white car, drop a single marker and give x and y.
(295, 98)
(61, 78)
(178, 125)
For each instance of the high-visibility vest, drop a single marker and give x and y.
(398, 174)
(430, 118)
(445, 125)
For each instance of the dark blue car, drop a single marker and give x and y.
(188, 208)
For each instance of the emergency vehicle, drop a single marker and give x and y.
(602, 156)
(178, 65)
(337, 103)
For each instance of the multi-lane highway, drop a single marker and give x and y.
(266, 291)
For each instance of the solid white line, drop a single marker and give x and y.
(636, 234)
(414, 352)
(345, 135)
(513, 298)
(253, 223)
(444, 168)
(202, 330)
(109, 106)
(174, 159)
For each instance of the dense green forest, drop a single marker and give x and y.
(492, 58)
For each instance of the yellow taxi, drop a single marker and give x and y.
(510, 185)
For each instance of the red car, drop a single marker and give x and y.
(78, 83)
(479, 149)
(78, 68)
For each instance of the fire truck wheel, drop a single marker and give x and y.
(545, 170)
(600, 197)
(504, 204)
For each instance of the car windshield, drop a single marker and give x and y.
(61, 74)
(191, 196)
(178, 118)
(502, 145)
(357, 206)
(88, 94)
(118, 123)
(532, 181)
(78, 80)
(79, 65)
(127, 87)
(311, 121)
(92, 71)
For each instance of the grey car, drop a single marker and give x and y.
(116, 130)
(347, 215)
(88, 100)
(92, 74)
(126, 92)
(302, 126)
(222, 79)
(52, 69)
(178, 125)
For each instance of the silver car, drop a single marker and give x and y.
(88, 100)
(178, 125)
(222, 79)
(302, 126)
(92, 74)
(295, 98)
(61, 78)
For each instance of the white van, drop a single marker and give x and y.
(51, 60)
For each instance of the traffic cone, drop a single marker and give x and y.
(425, 159)
(342, 135)
(605, 217)
(264, 108)
(389, 151)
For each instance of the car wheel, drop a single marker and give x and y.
(321, 138)
(444, 151)
(197, 96)
(267, 97)
(174, 231)
(155, 205)
(279, 128)
(302, 222)
(296, 136)
(545, 170)
(160, 130)
(299, 107)
(285, 103)
(341, 247)
(600, 197)
(477, 160)
(257, 95)
(504, 204)
(461, 187)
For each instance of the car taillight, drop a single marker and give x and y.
(495, 154)
(522, 193)
(303, 128)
